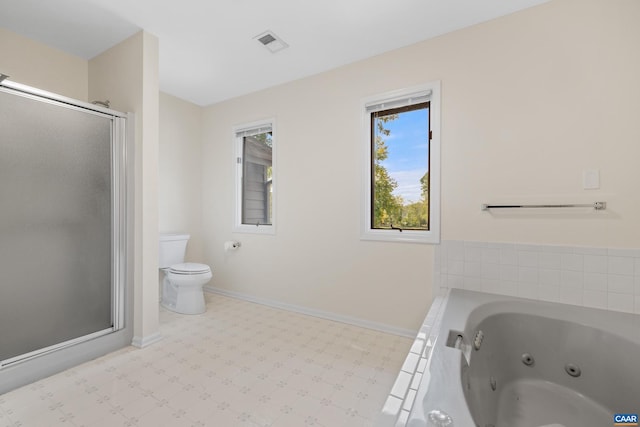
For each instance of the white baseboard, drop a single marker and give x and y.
(142, 342)
(382, 327)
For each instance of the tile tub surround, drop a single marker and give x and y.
(398, 405)
(605, 278)
(239, 364)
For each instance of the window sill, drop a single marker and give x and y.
(254, 229)
(405, 236)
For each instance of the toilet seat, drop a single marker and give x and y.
(189, 268)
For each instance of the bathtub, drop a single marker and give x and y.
(497, 361)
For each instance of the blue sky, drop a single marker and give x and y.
(408, 147)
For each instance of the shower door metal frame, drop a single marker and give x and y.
(119, 206)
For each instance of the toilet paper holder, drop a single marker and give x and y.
(232, 245)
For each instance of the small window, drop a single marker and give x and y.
(255, 166)
(401, 200)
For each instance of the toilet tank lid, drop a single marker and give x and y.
(167, 237)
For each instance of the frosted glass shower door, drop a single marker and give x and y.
(56, 223)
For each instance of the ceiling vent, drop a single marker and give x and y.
(271, 41)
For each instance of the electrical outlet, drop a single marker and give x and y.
(591, 179)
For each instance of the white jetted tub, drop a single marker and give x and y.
(497, 361)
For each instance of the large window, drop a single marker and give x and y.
(255, 168)
(401, 200)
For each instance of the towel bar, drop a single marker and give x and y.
(599, 206)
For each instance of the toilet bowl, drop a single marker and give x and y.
(182, 282)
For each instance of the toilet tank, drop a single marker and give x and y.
(172, 249)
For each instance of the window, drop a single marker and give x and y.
(401, 179)
(255, 177)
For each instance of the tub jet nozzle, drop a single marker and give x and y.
(573, 370)
(528, 359)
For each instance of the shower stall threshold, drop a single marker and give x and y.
(52, 348)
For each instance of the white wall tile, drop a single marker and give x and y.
(401, 386)
(455, 251)
(573, 262)
(501, 245)
(527, 259)
(595, 299)
(455, 282)
(491, 286)
(508, 256)
(620, 302)
(472, 269)
(595, 264)
(476, 244)
(573, 279)
(550, 260)
(621, 265)
(473, 283)
(595, 277)
(408, 402)
(456, 267)
(490, 271)
(530, 248)
(528, 275)
(444, 262)
(509, 273)
(491, 256)
(509, 288)
(591, 251)
(596, 282)
(564, 249)
(472, 254)
(620, 284)
(549, 293)
(526, 290)
(571, 295)
(550, 278)
(627, 253)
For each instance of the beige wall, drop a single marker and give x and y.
(529, 101)
(34, 64)
(180, 166)
(127, 75)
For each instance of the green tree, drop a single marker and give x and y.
(424, 185)
(414, 215)
(387, 208)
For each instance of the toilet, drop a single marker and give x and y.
(182, 282)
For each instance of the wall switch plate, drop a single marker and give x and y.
(591, 179)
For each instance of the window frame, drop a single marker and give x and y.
(367, 232)
(238, 159)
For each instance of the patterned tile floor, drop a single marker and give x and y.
(239, 364)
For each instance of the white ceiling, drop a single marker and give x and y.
(207, 48)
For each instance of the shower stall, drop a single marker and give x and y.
(63, 233)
